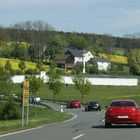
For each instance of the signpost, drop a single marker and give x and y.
(25, 102)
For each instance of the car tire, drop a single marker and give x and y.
(108, 125)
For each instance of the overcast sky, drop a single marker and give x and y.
(116, 17)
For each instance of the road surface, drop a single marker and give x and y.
(84, 126)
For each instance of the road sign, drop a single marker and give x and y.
(26, 84)
(25, 101)
(26, 92)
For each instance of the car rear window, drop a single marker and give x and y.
(93, 102)
(123, 103)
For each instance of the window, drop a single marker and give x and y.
(123, 103)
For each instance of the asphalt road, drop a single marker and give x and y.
(84, 126)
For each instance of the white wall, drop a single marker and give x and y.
(103, 66)
(94, 81)
(78, 59)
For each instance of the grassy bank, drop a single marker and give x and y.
(43, 117)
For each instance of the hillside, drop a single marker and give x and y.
(15, 62)
(116, 58)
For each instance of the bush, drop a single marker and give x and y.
(30, 71)
(9, 110)
(60, 71)
(18, 72)
(78, 68)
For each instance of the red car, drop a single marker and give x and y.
(74, 104)
(122, 112)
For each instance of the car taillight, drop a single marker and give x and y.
(110, 109)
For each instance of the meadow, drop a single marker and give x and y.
(103, 94)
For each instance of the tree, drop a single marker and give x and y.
(55, 82)
(34, 84)
(82, 84)
(93, 68)
(78, 41)
(8, 66)
(8, 109)
(22, 65)
(55, 46)
(39, 65)
(5, 82)
(78, 68)
(134, 61)
(19, 51)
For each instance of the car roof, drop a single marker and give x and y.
(124, 100)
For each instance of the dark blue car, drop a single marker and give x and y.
(92, 105)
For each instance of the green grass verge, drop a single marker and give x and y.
(43, 117)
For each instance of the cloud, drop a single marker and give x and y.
(79, 15)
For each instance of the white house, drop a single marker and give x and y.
(79, 55)
(103, 64)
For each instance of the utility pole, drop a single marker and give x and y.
(84, 69)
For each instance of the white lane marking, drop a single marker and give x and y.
(75, 116)
(4, 135)
(77, 137)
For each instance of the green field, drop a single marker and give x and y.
(104, 94)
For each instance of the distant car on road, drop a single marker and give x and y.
(35, 100)
(122, 112)
(92, 105)
(74, 104)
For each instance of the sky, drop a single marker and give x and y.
(115, 17)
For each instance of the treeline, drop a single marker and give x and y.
(41, 41)
(38, 41)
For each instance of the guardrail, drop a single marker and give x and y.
(52, 100)
(42, 105)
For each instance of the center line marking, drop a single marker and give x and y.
(78, 136)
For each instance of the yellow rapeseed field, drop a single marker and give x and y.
(116, 58)
(15, 62)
